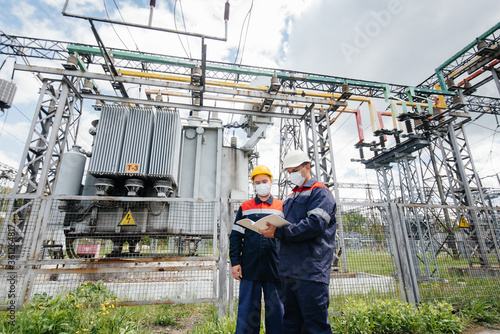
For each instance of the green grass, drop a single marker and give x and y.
(91, 308)
(450, 286)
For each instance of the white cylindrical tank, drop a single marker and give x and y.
(70, 175)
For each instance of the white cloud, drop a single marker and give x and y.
(304, 35)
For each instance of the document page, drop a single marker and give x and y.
(261, 223)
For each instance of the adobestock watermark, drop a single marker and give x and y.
(11, 275)
(375, 22)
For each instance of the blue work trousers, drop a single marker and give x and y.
(306, 307)
(249, 307)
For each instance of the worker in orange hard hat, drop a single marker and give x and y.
(254, 260)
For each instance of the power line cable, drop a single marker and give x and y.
(113, 26)
(482, 126)
(21, 113)
(119, 12)
(350, 142)
(6, 113)
(178, 35)
(491, 150)
(246, 33)
(13, 136)
(341, 125)
(185, 29)
(241, 34)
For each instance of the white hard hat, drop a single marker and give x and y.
(295, 158)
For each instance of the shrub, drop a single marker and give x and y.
(439, 318)
(481, 311)
(390, 316)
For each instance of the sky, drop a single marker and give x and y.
(393, 41)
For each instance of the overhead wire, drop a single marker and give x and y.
(248, 16)
(6, 113)
(113, 26)
(495, 131)
(21, 113)
(178, 35)
(119, 12)
(185, 29)
(7, 132)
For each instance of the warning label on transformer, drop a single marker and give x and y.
(127, 220)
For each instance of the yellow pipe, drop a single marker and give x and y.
(234, 99)
(154, 75)
(188, 79)
(441, 105)
(231, 84)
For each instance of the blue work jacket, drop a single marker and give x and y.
(308, 244)
(257, 255)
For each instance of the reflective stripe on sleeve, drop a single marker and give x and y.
(320, 212)
(259, 211)
(238, 228)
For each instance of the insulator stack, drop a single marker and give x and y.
(226, 11)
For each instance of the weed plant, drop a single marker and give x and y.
(91, 308)
(390, 316)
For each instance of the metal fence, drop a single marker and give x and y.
(148, 251)
(152, 250)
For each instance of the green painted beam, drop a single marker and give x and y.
(469, 46)
(249, 71)
(439, 70)
(433, 91)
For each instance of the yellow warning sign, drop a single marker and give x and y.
(128, 219)
(463, 223)
(132, 168)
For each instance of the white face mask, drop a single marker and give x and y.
(297, 178)
(263, 189)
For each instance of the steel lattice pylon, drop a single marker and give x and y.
(433, 177)
(466, 190)
(418, 225)
(290, 139)
(53, 131)
(387, 189)
(319, 147)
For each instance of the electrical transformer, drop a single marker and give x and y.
(148, 153)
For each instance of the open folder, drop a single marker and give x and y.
(261, 223)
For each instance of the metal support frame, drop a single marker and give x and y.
(419, 229)
(401, 248)
(466, 190)
(55, 126)
(433, 174)
(53, 131)
(387, 189)
(290, 139)
(319, 147)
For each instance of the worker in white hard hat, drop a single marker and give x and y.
(307, 247)
(254, 260)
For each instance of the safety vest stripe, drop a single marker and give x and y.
(277, 204)
(319, 212)
(307, 192)
(238, 228)
(260, 211)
